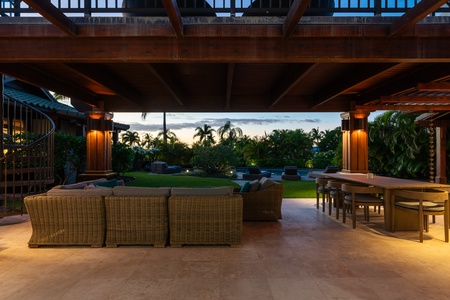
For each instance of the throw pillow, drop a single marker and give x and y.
(266, 183)
(107, 183)
(246, 187)
(254, 186)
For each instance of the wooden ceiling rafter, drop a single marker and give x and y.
(173, 12)
(50, 12)
(399, 85)
(414, 15)
(170, 86)
(294, 15)
(289, 82)
(412, 108)
(430, 99)
(105, 78)
(442, 86)
(348, 82)
(37, 77)
(230, 76)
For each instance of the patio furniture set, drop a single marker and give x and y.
(88, 213)
(407, 203)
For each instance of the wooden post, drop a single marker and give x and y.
(441, 157)
(355, 143)
(98, 146)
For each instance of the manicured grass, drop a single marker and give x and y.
(155, 180)
(292, 189)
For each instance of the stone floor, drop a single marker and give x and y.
(307, 255)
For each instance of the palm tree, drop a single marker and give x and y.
(167, 135)
(228, 132)
(316, 135)
(147, 141)
(205, 135)
(130, 138)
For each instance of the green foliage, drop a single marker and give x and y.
(69, 149)
(323, 159)
(214, 160)
(122, 158)
(175, 153)
(397, 146)
(330, 140)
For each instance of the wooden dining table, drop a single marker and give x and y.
(388, 184)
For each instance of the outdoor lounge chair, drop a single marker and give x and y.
(254, 172)
(290, 173)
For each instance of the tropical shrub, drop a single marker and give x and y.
(122, 158)
(214, 160)
(70, 155)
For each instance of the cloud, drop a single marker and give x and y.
(218, 122)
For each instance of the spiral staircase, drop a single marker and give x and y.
(26, 162)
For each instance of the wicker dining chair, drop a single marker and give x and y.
(423, 204)
(336, 196)
(322, 191)
(357, 195)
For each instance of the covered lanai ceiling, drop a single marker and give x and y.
(174, 58)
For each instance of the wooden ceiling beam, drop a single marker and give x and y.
(105, 78)
(224, 50)
(294, 77)
(171, 87)
(294, 15)
(414, 15)
(230, 75)
(434, 87)
(173, 12)
(46, 9)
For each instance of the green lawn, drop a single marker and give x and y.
(292, 189)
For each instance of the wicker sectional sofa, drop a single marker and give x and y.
(135, 216)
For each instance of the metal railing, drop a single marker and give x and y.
(26, 159)
(17, 8)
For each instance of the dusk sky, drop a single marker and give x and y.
(252, 124)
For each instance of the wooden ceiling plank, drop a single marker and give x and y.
(173, 12)
(230, 75)
(46, 9)
(348, 81)
(434, 87)
(414, 15)
(294, 15)
(171, 88)
(288, 83)
(102, 76)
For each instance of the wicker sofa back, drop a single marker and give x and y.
(135, 216)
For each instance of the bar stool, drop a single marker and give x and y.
(322, 189)
(336, 195)
(423, 204)
(364, 196)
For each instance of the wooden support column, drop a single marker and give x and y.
(441, 154)
(98, 146)
(355, 143)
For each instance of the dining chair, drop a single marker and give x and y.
(423, 204)
(336, 196)
(357, 195)
(322, 191)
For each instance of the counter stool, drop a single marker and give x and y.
(364, 196)
(423, 204)
(322, 189)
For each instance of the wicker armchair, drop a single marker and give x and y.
(136, 220)
(205, 220)
(66, 220)
(263, 205)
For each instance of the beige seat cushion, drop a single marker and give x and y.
(140, 191)
(214, 191)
